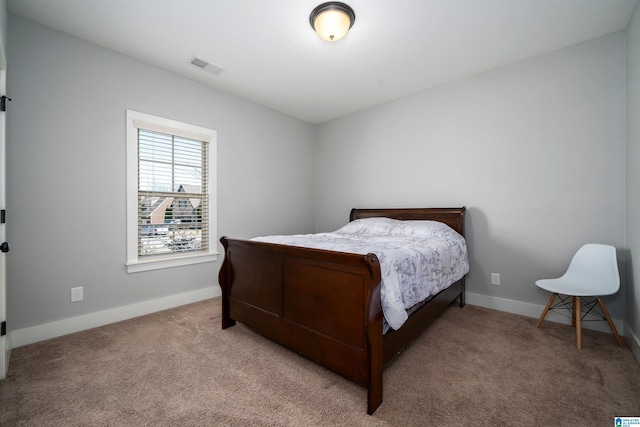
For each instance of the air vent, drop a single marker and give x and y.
(207, 66)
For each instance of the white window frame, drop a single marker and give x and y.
(136, 120)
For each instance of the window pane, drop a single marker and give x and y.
(188, 176)
(188, 152)
(155, 146)
(155, 176)
(169, 166)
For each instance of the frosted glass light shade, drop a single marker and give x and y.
(332, 20)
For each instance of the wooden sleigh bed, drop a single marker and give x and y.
(325, 305)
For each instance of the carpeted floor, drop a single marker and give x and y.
(178, 368)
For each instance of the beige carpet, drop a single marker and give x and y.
(473, 367)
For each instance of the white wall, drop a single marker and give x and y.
(633, 173)
(536, 151)
(66, 173)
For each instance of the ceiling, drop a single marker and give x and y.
(272, 56)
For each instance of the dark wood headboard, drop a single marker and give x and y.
(453, 217)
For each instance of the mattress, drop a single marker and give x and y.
(418, 259)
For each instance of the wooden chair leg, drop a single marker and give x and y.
(573, 313)
(610, 322)
(578, 319)
(546, 310)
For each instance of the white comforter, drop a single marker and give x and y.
(417, 258)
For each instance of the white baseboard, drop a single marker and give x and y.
(7, 354)
(534, 310)
(21, 337)
(633, 341)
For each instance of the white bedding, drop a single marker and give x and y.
(418, 259)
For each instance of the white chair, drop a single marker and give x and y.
(593, 272)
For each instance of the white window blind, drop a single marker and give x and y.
(173, 194)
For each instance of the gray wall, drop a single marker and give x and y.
(66, 173)
(633, 172)
(4, 15)
(536, 151)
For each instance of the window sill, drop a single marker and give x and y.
(159, 263)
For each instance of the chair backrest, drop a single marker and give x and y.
(596, 267)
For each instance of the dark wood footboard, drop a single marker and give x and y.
(326, 305)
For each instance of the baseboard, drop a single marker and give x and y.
(7, 356)
(534, 311)
(22, 337)
(632, 341)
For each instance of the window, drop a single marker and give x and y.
(171, 194)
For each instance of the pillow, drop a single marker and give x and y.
(423, 228)
(382, 226)
(376, 226)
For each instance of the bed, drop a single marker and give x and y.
(325, 304)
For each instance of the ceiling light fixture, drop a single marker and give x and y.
(332, 20)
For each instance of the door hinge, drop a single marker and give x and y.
(3, 102)
(3, 216)
(3, 329)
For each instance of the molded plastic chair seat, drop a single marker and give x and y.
(593, 272)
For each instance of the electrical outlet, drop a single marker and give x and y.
(495, 279)
(77, 294)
